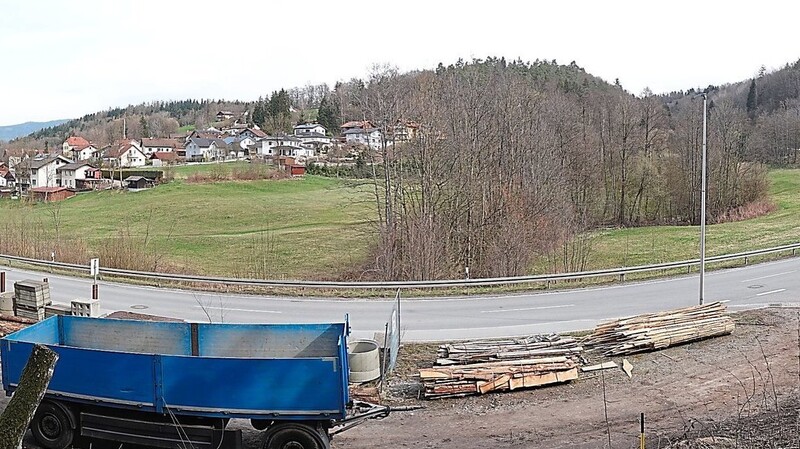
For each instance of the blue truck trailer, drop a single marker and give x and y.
(176, 385)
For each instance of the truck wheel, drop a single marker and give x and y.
(51, 426)
(294, 436)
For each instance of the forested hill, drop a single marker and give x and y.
(23, 129)
(160, 118)
(514, 159)
(770, 103)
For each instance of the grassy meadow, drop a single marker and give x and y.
(319, 228)
(646, 245)
(312, 227)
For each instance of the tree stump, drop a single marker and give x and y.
(32, 385)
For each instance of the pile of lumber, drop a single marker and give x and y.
(654, 331)
(482, 351)
(483, 366)
(481, 378)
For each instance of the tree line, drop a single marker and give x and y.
(513, 160)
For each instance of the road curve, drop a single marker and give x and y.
(434, 319)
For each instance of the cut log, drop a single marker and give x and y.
(32, 385)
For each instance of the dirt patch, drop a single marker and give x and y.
(740, 390)
(705, 389)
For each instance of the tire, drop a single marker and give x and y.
(51, 426)
(294, 436)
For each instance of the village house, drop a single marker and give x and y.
(163, 158)
(78, 148)
(14, 158)
(150, 146)
(73, 143)
(41, 171)
(86, 153)
(7, 178)
(244, 141)
(200, 149)
(224, 115)
(370, 137)
(210, 133)
(125, 155)
(358, 124)
(283, 145)
(253, 133)
(309, 128)
(235, 129)
(76, 174)
(313, 136)
(403, 131)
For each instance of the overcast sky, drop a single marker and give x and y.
(64, 59)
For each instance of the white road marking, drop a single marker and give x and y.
(226, 309)
(527, 308)
(769, 276)
(771, 292)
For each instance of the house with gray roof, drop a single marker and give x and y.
(371, 137)
(202, 149)
(75, 175)
(41, 171)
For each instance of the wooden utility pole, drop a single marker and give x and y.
(32, 385)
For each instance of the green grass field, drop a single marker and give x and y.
(319, 228)
(301, 228)
(183, 171)
(645, 245)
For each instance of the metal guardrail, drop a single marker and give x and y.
(481, 282)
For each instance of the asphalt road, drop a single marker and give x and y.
(449, 318)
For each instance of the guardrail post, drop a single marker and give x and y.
(2, 281)
(622, 277)
(547, 284)
(745, 260)
(793, 250)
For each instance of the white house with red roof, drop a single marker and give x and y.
(125, 155)
(78, 148)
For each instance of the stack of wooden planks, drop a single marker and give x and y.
(479, 367)
(653, 331)
(481, 351)
(481, 378)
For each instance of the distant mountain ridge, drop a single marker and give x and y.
(23, 129)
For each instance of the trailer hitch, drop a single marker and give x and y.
(366, 410)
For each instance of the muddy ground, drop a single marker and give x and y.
(739, 390)
(708, 388)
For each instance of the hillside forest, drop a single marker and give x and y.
(517, 160)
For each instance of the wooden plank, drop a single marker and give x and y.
(604, 365)
(628, 368)
(494, 384)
